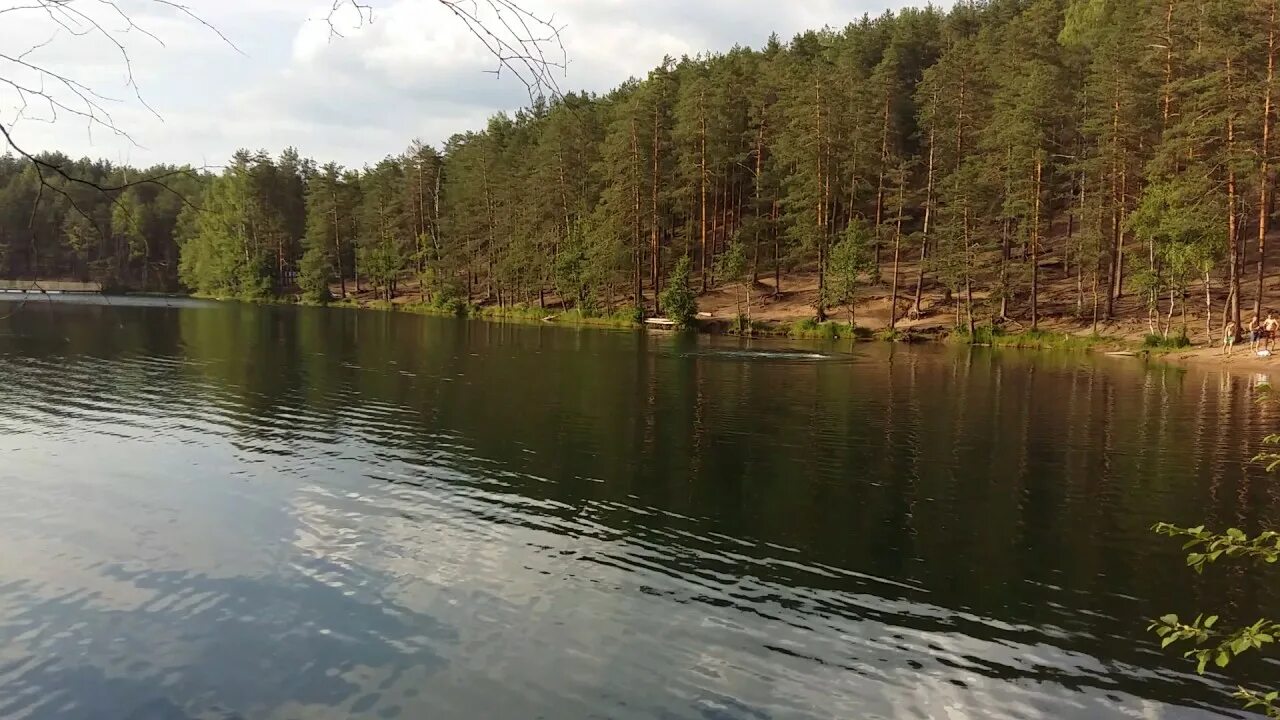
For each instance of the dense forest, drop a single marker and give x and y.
(1121, 145)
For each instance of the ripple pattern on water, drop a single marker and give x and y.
(272, 512)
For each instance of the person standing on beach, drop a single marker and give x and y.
(1269, 329)
(1229, 339)
(1255, 332)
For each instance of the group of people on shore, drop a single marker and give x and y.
(1261, 335)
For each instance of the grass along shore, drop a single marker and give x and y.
(803, 329)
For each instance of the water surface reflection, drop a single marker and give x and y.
(224, 511)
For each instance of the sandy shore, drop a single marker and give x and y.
(1242, 360)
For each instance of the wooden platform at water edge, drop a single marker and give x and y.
(49, 286)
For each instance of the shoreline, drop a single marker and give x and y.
(1209, 358)
(797, 329)
(1205, 358)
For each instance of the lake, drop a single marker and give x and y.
(229, 511)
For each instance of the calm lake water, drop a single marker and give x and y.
(240, 512)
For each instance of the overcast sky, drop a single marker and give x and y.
(413, 72)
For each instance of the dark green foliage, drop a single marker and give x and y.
(813, 329)
(125, 239)
(1108, 146)
(678, 300)
(449, 304)
(1156, 341)
(315, 273)
(849, 267)
(1210, 642)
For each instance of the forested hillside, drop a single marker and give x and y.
(1123, 146)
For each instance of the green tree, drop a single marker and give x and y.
(385, 242)
(227, 253)
(734, 266)
(852, 260)
(678, 299)
(331, 205)
(315, 273)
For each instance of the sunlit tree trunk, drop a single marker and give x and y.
(755, 257)
(1264, 170)
(1035, 246)
(821, 229)
(636, 243)
(916, 309)
(884, 161)
(655, 253)
(702, 171)
(1233, 239)
(897, 249)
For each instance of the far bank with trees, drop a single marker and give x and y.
(1000, 162)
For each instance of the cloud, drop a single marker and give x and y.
(415, 71)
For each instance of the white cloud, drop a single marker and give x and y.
(415, 71)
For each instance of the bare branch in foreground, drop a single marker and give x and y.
(522, 43)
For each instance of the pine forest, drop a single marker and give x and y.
(1000, 161)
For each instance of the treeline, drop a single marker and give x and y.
(92, 220)
(1122, 144)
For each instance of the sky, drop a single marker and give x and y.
(280, 79)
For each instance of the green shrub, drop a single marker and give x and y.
(1156, 341)
(811, 329)
(314, 273)
(678, 300)
(997, 336)
(633, 315)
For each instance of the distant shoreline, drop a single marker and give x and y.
(1243, 361)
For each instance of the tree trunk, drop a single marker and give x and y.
(897, 250)
(884, 162)
(655, 254)
(821, 204)
(709, 276)
(1118, 192)
(1233, 240)
(1208, 309)
(488, 205)
(1264, 179)
(777, 251)
(702, 162)
(337, 247)
(1035, 247)
(755, 258)
(1097, 272)
(637, 242)
(968, 275)
(1005, 252)
(916, 308)
(1084, 180)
